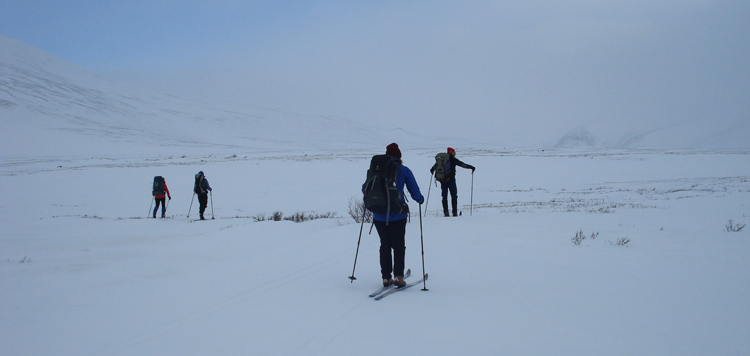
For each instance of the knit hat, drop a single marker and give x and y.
(392, 150)
(451, 151)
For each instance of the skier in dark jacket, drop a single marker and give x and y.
(392, 228)
(449, 182)
(202, 188)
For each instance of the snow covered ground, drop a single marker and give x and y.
(84, 272)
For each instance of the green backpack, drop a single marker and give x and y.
(443, 167)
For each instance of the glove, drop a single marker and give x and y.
(170, 198)
(473, 169)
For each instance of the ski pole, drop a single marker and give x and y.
(191, 205)
(212, 205)
(149, 207)
(167, 205)
(471, 207)
(421, 238)
(428, 195)
(361, 227)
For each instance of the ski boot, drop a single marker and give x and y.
(399, 281)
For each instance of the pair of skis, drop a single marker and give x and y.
(388, 290)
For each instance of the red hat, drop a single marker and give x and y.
(392, 150)
(451, 151)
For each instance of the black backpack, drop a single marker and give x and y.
(198, 188)
(159, 185)
(381, 193)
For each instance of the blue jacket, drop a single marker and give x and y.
(205, 185)
(404, 177)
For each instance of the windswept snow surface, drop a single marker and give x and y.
(84, 272)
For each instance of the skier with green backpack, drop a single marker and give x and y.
(445, 173)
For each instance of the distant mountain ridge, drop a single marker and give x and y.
(49, 106)
(690, 135)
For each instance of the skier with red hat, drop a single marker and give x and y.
(448, 179)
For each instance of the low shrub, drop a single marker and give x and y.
(358, 211)
(297, 217)
(579, 237)
(732, 227)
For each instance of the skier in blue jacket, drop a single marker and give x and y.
(201, 188)
(392, 228)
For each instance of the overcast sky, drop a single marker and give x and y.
(511, 70)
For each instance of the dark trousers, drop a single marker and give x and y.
(392, 237)
(163, 206)
(203, 201)
(450, 186)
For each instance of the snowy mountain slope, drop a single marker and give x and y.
(695, 135)
(51, 107)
